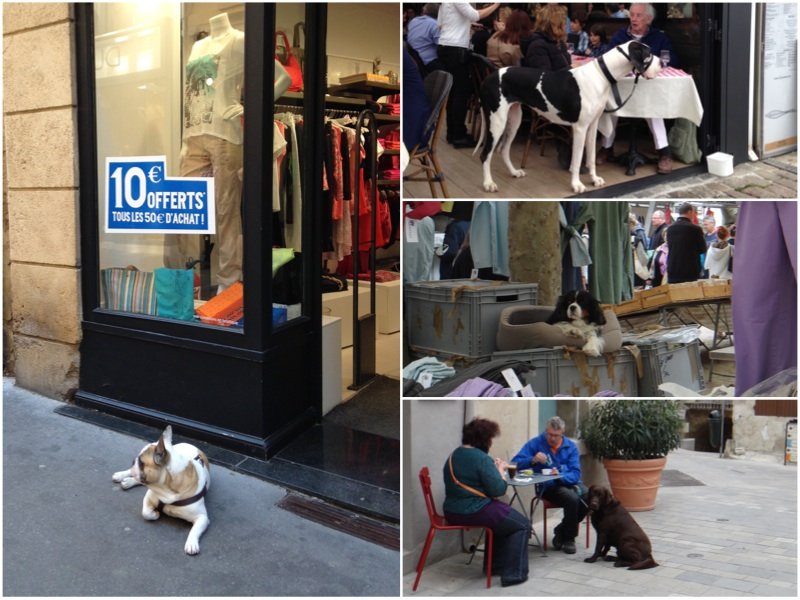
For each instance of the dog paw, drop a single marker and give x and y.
(598, 181)
(192, 547)
(119, 476)
(489, 186)
(150, 515)
(578, 188)
(128, 483)
(518, 173)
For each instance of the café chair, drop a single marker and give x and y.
(422, 161)
(439, 523)
(546, 505)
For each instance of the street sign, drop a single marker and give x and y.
(140, 198)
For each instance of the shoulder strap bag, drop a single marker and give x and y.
(458, 483)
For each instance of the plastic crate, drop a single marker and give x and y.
(458, 318)
(558, 371)
(664, 362)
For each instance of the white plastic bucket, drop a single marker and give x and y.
(720, 164)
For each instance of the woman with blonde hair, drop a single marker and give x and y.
(548, 47)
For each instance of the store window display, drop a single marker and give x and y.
(196, 123)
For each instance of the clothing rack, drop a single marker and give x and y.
(338, 112)
(365, 328)
(298, 110)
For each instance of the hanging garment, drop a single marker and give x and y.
(418, 249)
(611, 274)
(765, 291)
(573, 256)
(488, 236)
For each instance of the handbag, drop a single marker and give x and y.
(297, 48)
(175, 293)
(283, 52)
(128, 290)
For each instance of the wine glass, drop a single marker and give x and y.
(665, 58)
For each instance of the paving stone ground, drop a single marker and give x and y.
(735, 535)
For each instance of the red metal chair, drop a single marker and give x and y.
(439, 523)
(546, 504)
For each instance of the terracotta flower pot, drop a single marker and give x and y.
(635, 482)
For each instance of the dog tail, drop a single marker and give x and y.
(647, 563)
(483, 133)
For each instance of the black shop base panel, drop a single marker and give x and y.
(253, 402)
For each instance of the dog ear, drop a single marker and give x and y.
(163, 447)
(560, 313)
(596, 315)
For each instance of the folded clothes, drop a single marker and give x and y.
(477, 387)
(438, 370)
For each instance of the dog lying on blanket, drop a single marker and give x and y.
(575, 97)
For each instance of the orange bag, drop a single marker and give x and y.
(224, 309)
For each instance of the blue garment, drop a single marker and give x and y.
(439, 371)
(567, 460)
(415, 106)
(488, 236)
(583, 43)
(476, 469)
(418, 255)
(598, 51)
(655, 38)
(423, 36)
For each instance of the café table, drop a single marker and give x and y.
(522, 481)
(672, 94)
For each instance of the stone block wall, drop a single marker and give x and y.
(41, 279)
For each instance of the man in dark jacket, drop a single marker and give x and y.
(642, 15)
(659, 223)
(686, 243)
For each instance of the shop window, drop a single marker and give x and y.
(170, 143)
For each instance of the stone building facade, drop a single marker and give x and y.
(41, 259)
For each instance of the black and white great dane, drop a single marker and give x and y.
(575, 97)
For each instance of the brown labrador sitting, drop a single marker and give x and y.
(616, 527)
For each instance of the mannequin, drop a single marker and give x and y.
(212, 144)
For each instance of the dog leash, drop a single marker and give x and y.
(613, 82)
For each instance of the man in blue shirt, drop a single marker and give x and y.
(423, 36)
(640, 29)
(553, 450)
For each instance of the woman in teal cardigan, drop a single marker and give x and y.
(474, 483)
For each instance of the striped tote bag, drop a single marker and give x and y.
(128, 290)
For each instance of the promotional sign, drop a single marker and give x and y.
(779, 64)
(140, 198)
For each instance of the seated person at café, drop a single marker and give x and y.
(474, 483)
(640, 29)
(553, 450)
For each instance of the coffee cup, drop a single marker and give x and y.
(512, 470)
(547, 471)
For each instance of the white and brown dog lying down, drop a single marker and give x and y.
(573, 97)
(177, 479)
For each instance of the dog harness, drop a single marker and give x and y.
(185, 501)
(613, 82)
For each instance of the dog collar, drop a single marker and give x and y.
(185, 501)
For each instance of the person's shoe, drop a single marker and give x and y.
(604, 155)
(464, 142)
(569, 546)
(557, 541)
(664, 164)
(513, 582)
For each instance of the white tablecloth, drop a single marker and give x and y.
(671, 95)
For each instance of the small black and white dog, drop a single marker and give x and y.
(579, 314)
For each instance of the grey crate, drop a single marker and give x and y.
(575, 374)
(664, 362)
(458, 318)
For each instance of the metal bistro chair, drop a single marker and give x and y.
(547, 505)
(423, 155)
(480, 68)
(439, 523)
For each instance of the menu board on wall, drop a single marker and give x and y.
(779, 67)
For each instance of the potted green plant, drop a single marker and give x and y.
(632, 438)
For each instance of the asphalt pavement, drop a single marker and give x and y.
(69, 531)
(721, 527)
